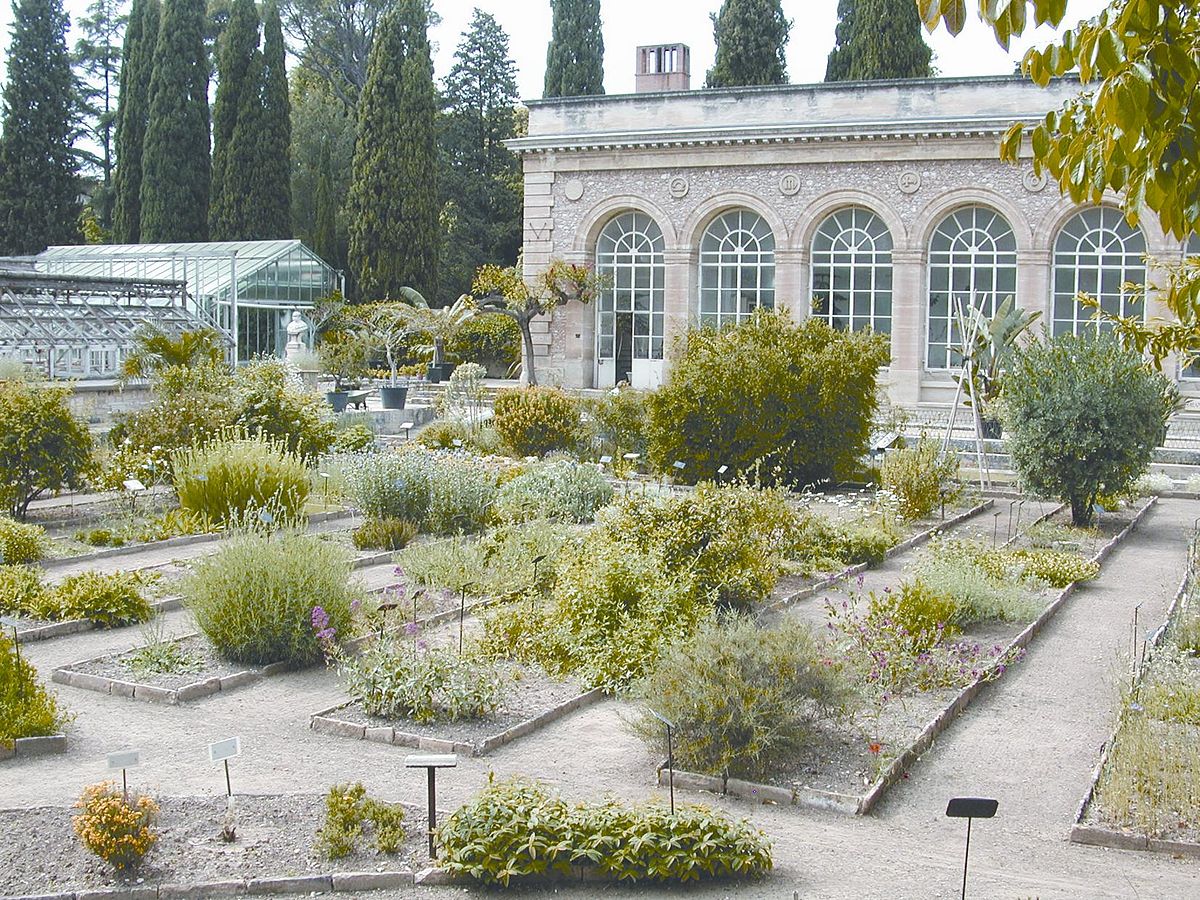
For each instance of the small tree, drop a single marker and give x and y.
(387, 327)
(440, 323)
(42, 446)
(505, 292)
(1084, 416)
(155, 350)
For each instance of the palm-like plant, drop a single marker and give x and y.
(440, 323)
(155, 349)
(995, 340)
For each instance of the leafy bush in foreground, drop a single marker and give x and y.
(517, 828)
(27, 709)
(226, 480)
(347, 810)
(110, 600)
(43, 446)
(534, 421)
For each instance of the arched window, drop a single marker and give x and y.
(1095, 253)
(852, 271)
(737, 268)
(972, 260)
(630, 308)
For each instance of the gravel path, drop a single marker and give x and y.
(1030, 740)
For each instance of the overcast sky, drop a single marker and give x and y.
(630, 23)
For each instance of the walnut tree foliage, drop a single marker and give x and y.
(575, 57)
(751, 36)
(878, 39)
(394, 229)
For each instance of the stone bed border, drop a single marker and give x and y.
(35, 746)
(861, 804)
(78, 626)
(1098, 835)
(324, 722)
(903, 546)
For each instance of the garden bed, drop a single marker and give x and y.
(532, 700)
(35, 746)
(273, 852)
(32, 630)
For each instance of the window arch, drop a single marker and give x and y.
(630, 307)
(972, 259)
(1096, 252)
(737, 268)
(852, 271)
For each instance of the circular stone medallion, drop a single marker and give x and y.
(573, 190)
(789, 185)
(678, 187)
(909, 181)
(1033, 182)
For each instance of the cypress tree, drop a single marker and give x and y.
(878, 39)
(237, 77)
(751, 36)
(239, 220)
(38, 184)
(175, 162)
(133, 115)
(272, 195)
(575, 57)
(393, 203)
(324, 238)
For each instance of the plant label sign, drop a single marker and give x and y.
(126, 759)
(134, 486)
(226, 749)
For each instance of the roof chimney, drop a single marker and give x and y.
(663, 67)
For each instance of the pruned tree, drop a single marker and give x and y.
(575, 57)
(751, 37)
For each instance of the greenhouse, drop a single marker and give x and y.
(245, 289)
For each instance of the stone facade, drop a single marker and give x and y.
(911, 152)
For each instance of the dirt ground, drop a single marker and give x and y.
(1029, 740)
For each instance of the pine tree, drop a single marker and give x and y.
(394, 232)
(751, 36)
(133, 115)
(878, 39)
(239, 74)
(97, 60)
(175, 162)
(38, 183)
(324, 237)
(575, 57)
(272, 196)
(482, 186)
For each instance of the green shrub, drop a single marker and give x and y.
(1057, 568)
(27, 709)
(21, 591)
(353, 438)
(499, 565)
(919, 614)
(798, 396)
(383, 534)
(952, 568)
(743, 699)
(441, 434)
(534, 421)
(109, 600)
(824, 545)
(347, 810)
(517, 828)
(393, 680)
(389, 485)
(561, 490)
(43, 447)
(917, 477)
(21, 543)
(227, 480)
(727, 538)
(273, 402)
(461, 495)
(1083, 417)
(491, 341)
(618, 422)
(254, 598)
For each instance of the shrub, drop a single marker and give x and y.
(383, 534)
(27, 709)
(226, 480)
(920, 615)
(500, 564)
(21, 543)
(492, 341)
(272, 402)
(461, 495)
(951, 568)
(393, 680)
(534, 421)
(743, 699)
(562, 491)
(353, 438)
(115, 829)
(518, 828)
(254, 598)
(109, 600)
(347, 810)
(1057, 568)
(917, 476)
(441, 434)
(43, 447)
(619, 422)
(22, 591)
(389, 485)
(799, 396)
(1084, 416)
(824, 545)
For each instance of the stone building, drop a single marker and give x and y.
(880, 204)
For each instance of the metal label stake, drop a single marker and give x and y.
(970, 808)
(431, 762)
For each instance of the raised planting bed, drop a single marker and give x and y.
(273, 853)
(35, 746)
(32, 630)
(532, 700)
(845, 770)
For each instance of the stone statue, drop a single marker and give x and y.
(296, 329)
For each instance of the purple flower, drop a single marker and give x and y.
(422, 645)
(411, 628)
(398, 571)
(326, 634)
(355, 605)
(320, 619)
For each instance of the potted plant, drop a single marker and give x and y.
(441, 324)
(343, 355)
(995, 339)
(388, 327)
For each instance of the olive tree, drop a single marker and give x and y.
(1083, 416)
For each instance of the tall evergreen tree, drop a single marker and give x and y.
(175, 161)
(272, 195)
(751, 36)
(38, 183)
(394, 232)
(239, 74)
(575, 57)
(322, 148)
(878, 39)
(97, 60)
(133, 115)
(482, 186)
(324, 240)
